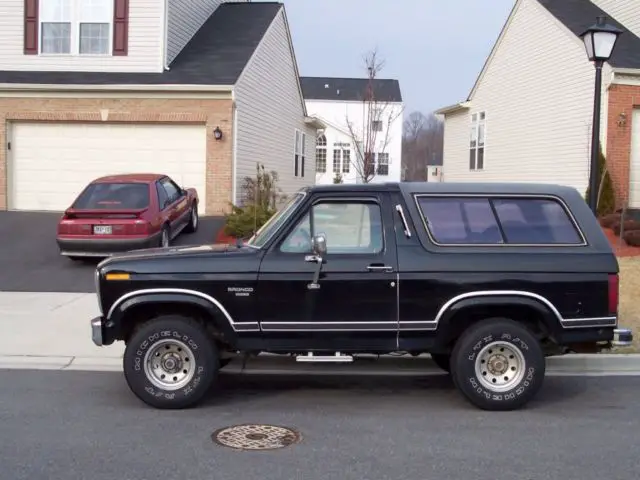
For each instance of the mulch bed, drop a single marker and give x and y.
(620, 247)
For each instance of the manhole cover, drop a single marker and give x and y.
(256, 437)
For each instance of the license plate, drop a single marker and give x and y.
(102, 229)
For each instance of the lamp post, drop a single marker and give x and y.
(599, 41)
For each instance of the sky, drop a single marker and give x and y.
(435, 48)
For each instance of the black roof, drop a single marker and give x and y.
(578, 15)
(349, 89)
(216, 55)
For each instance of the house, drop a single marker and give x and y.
(528, 118)
(358, 113)
(197, 89)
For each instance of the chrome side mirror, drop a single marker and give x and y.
(319, 245)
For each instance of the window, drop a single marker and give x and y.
(321, 154)
(113, 196)
(349, 227)
(476, 145)
(494, 221)
(163, 198)
(76, 26)
(271, 226)
(299, 153)
(383, 164)
(346, 161)
(173, 191)
(376, 120)
(337, 153)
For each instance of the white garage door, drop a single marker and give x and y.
(634, 171)
(50, 163)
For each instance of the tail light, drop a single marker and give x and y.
(614, 293)
(139, 227)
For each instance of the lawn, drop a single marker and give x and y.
(629, 298)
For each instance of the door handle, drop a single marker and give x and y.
(380, 268)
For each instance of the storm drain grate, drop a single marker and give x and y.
(256, 437)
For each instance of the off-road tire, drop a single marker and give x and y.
(193, 224)
(520, 349)
(201, 350)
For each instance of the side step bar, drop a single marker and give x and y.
(337, 357)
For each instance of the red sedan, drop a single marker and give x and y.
(119, 213)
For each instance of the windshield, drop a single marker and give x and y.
(272, 225)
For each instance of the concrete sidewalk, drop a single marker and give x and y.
(51, 331)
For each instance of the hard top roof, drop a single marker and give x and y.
(131, 178)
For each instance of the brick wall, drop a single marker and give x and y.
(211, 113)
(622, 99)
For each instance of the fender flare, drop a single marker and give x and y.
(549, 314)
(218, 315)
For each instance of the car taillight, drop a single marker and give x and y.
(139, 227)
(614, 293)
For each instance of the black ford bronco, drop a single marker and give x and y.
(489, 279)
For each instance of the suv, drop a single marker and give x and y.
(489, 279)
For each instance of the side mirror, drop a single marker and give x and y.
(319, 245)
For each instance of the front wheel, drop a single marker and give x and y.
(170, 362)
(194, 220)
(498, 365)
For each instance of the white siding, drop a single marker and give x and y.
(269, 108)
(144, 53)
(634, 170)
(537, 92)
(626, 12)
(338, 114)
(184, 19)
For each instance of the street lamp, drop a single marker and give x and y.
(599, 41)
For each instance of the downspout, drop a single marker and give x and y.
(165, 39)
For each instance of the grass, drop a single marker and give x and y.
(629, 303)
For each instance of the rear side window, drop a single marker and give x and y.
(113, 196)
(496, 221)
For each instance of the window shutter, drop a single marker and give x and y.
(30, 27)
(120, 27)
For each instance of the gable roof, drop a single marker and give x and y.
(578, 15)
(216, 55)
(349, 89)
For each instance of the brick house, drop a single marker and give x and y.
(115, 86)
(530, 110)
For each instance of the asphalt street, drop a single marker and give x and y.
(31, 261)
(87, 425)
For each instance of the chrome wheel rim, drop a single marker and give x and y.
(500, 366)
(169, 364)
(194, 217)
(165, 238)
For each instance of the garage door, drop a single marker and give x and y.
(50, 163)
(634, 173)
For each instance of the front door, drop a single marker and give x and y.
(354, 303)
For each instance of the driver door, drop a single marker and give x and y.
(357, 288)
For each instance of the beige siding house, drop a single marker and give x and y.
(528, 116)
(121, 86)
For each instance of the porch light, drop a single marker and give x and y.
(217, 133)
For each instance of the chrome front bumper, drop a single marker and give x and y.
(622, 337)
(96, 331)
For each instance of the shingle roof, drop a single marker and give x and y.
(216, 55)
(578, 15)
(349, 89)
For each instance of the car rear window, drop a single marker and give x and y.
(113, 196)
(497, 221)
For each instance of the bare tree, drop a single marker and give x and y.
(422, 145)
(371, 134)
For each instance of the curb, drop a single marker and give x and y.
(571, 364)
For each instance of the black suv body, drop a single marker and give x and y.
(487, 278)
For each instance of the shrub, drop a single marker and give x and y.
(632, 238)
(607, 198)
(337, 178)
(629, 225)
(261, 196)
(607, 221)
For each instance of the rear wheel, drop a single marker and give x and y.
(165, 237)
(194, 221)
(170, 362)
(498, 364)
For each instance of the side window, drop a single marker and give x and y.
(163, 198)
(536, 221)
(350, 227)
(471, 221)
(460, 220)
(172, 191)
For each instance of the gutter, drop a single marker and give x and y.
(17, 87)
(452, 108)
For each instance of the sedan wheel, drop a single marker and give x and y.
(164, 239)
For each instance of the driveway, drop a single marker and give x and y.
(31, 262)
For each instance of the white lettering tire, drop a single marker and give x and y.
(170, 362)
(498, 365)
